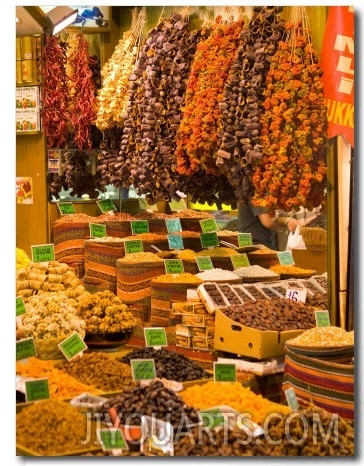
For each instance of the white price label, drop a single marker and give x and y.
(296, 294)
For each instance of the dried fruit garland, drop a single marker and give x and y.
(83, 106)
(54, 114)
(197, 137)
(292, 171)
(242, 103)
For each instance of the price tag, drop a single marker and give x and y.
(209, 240)
(291, 399)
(106, 205)
(244, 239)
(322, 318)
(72, 346)
(25, 348)
(204, 263)
(178, 205)
(42, 253)
(296, 294)
(20, 306)
(155, 336)
(66, 208)
(240, 260)
(139, 226)
(97, 230)
(133, 246)
(36, 390)
(112, 439)
(285, 258)
(212, 418)
(175, 241)
(173, 266)
(224, 372)
(208, 225)
(143, 369)
(173, 225)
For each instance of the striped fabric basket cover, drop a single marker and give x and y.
(118, 228)
(100, 260)
(328, 383)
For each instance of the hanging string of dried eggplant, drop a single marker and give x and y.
(242, 103)
(113, 96)
(82, 108)
(292, 171)
(54, 113)
(77, 170)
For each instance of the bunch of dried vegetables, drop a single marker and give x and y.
(77, 170)
(54, 113)
(157, 87)
(197, 136)
(81, 92)
(292, 171)
(113, 96)
(242, 103)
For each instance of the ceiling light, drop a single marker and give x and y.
(59, 18)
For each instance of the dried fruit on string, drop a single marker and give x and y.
(54, 113)
(113, 95)
(197, 136)
(243, 102)
(292, 171)
(77, 170)
(82, 97)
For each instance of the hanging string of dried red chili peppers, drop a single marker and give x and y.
(292, 171)
(54, 114)
(83, 99)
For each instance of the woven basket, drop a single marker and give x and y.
(315, 238)
(328, 383)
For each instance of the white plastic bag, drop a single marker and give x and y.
(295, 240)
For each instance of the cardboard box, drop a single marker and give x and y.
(203, 331)
(312, 260)
(183, 341)
(205, 343)
(183, 331)
(187, 307)
(195, 320)
(232, 337)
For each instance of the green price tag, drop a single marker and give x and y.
(20, 306)
(209, 240)
(173, 225)
(106, 205)
(175, 241)
(66, 208)
(244, 239)
(155, 336)
(291, 399)
(133, 246)
(285, 258)
(97, 230)
(224, 372)
(25, 348)
(72, 346)
(173, 266)
(178, 205)
(239, 260)
(36, 390)
(139, 226)
(112, 438)
(212, 418)
(143, 369)
(208, 225)
(322, 318)
(42, 253)
(204, 263)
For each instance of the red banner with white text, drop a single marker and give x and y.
(337, 63)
